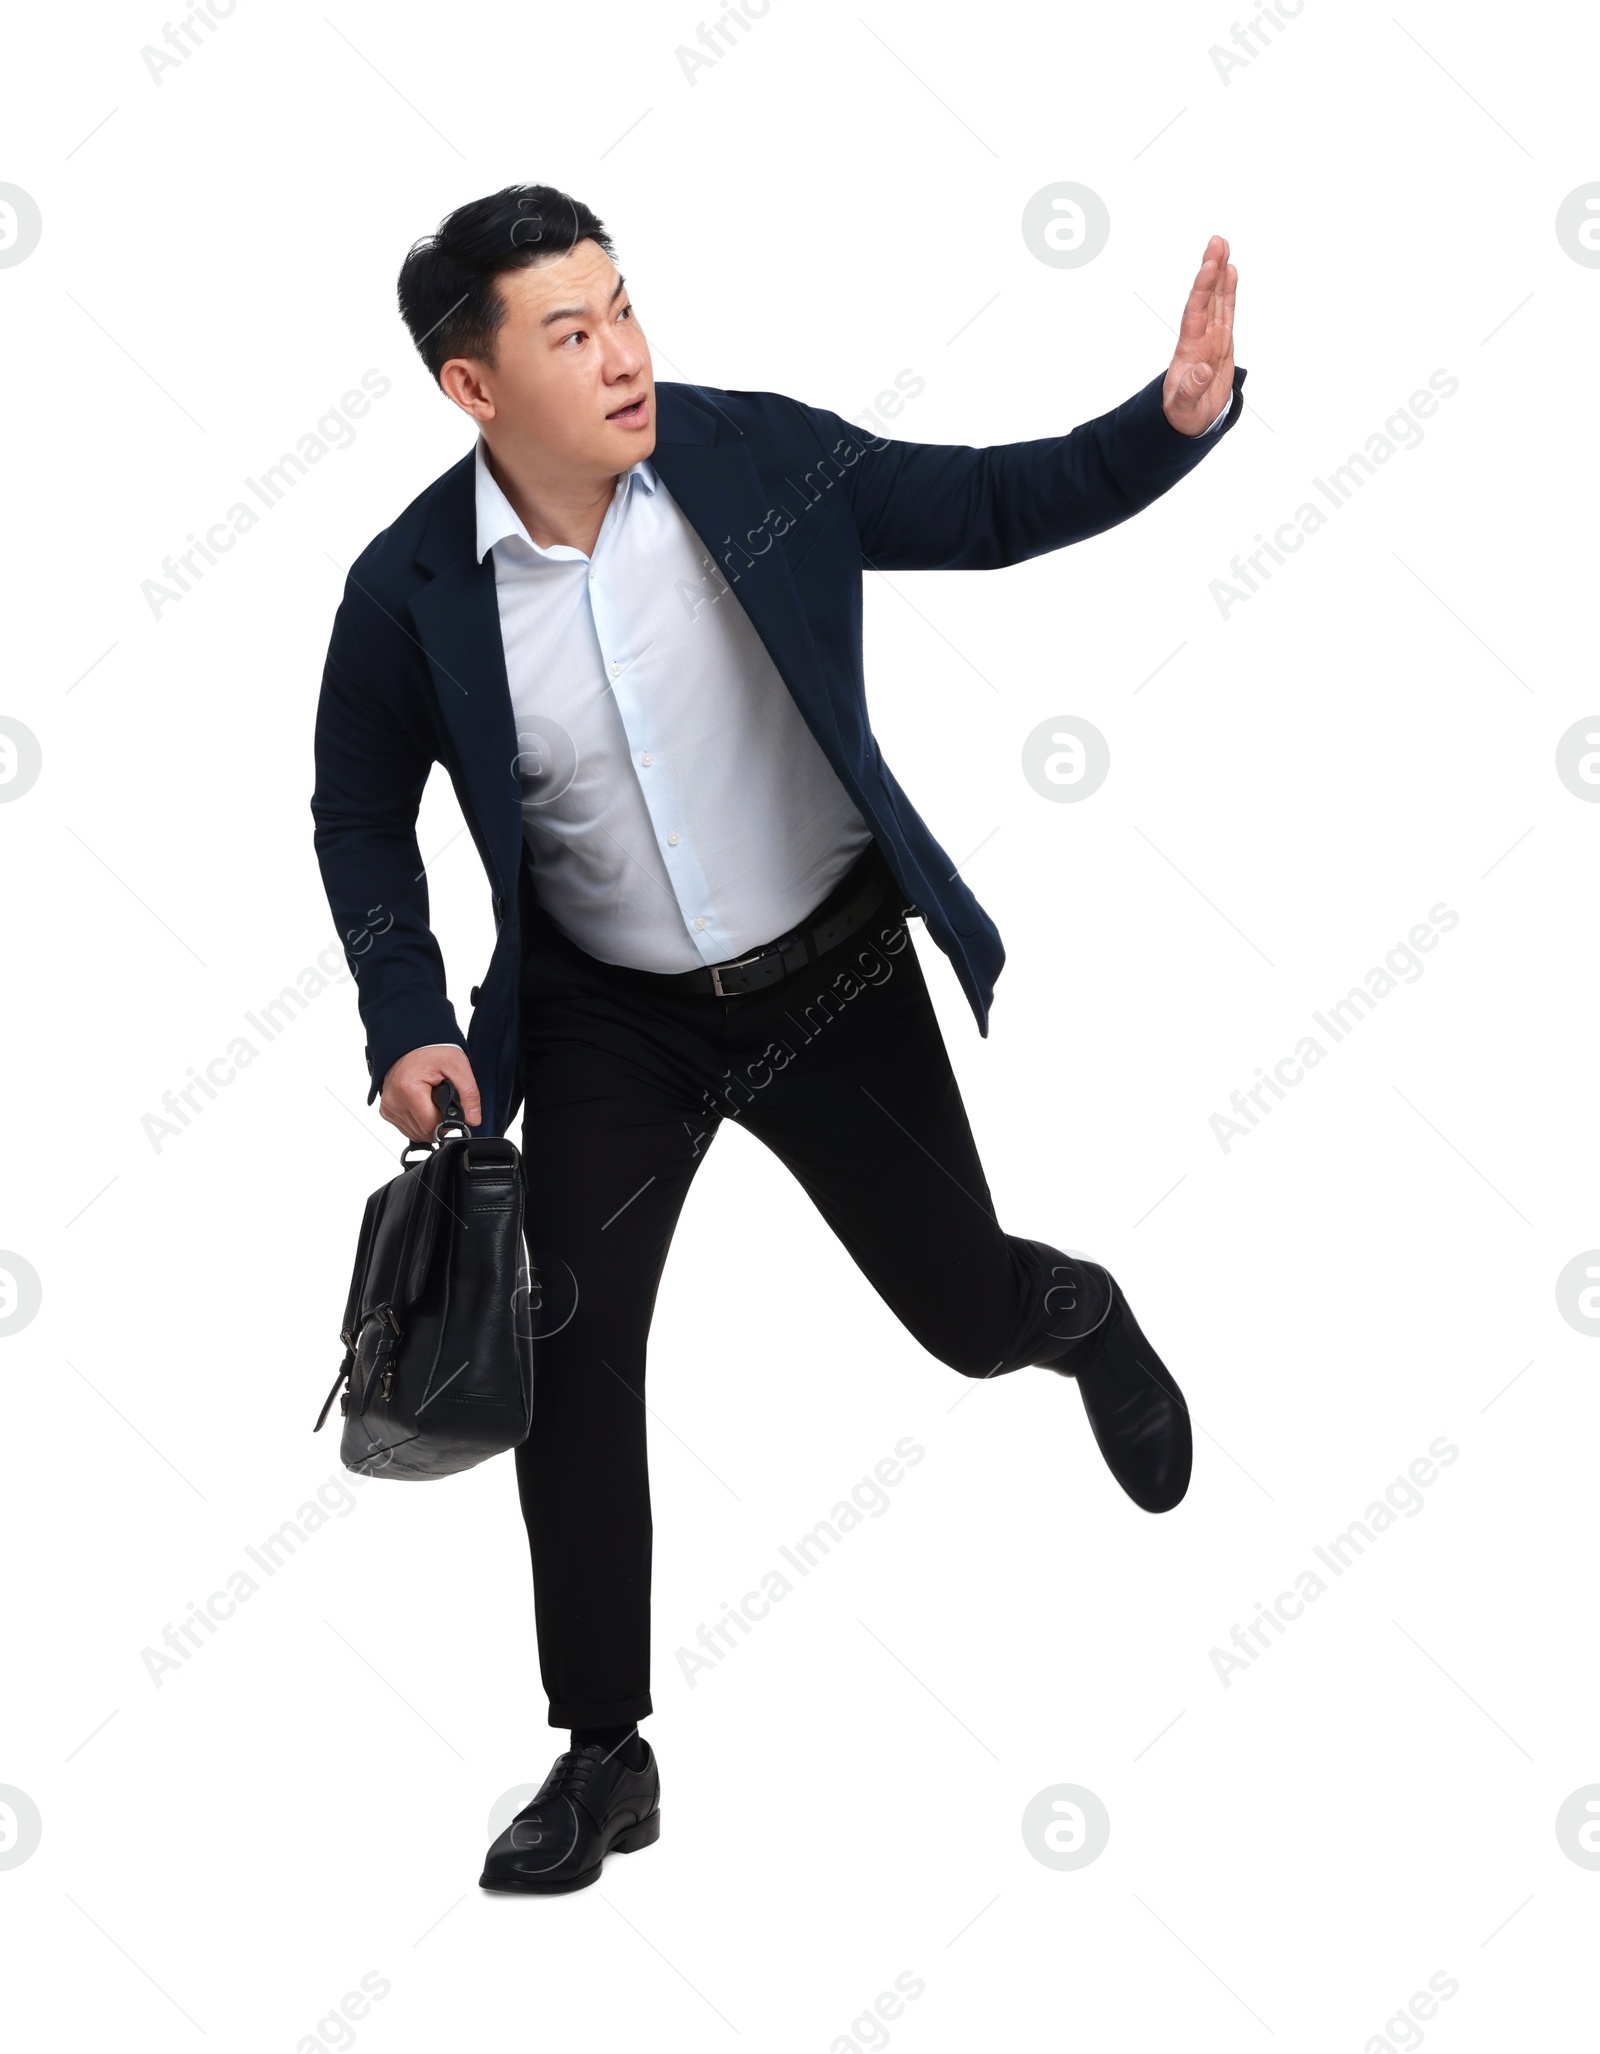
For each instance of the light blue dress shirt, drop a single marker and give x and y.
(678, 809)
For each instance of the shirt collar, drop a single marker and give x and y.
(497, 518)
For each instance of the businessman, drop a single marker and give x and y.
(628, 625)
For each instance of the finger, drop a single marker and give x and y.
(399, 1115)
(467, 1093)
(1197, 308)
(1193, 400)
(458, 1069)
(1188, 394)
(1217, 253)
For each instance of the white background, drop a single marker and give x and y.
(1292, 788)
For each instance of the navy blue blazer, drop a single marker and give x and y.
(793, 503)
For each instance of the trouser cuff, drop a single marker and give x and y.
(618, 1711)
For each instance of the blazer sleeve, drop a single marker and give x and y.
(929, 506)
(371, 766)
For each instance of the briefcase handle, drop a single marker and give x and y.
(450, 1111)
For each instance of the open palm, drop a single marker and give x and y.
(1199, 380)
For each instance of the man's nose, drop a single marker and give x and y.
(623, 359)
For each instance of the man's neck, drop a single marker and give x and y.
(565, 510)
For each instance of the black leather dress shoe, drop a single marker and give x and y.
(588, 1807)
(1135, 1408)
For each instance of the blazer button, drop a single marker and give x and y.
(475, 993)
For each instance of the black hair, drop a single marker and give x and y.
(448, 296)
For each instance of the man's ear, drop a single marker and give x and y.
(461, 380)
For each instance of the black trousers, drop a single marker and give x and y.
(842, 1071)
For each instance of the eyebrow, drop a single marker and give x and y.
(575, 313)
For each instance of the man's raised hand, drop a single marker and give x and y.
(1199, 380)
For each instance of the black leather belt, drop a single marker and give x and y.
(791, 952)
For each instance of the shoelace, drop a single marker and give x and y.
(571, 1773)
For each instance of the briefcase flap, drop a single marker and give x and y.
(400, 1233)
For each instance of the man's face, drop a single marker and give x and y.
(572, 377)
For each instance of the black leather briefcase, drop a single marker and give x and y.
(438, 1366)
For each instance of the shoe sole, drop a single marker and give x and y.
(644, 1834)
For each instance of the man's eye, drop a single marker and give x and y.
(575, 336)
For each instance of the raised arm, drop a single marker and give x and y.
(928, 506)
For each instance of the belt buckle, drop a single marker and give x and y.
(716, 970)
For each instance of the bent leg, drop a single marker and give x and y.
(866, 1112)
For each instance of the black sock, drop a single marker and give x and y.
(625, 1743)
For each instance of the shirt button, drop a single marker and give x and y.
(647, 759)
(672, 841)
(699, 920)
(616, 669)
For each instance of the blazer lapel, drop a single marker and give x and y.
(457, 619)
(723, 499)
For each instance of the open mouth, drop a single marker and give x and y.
(630, 416)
